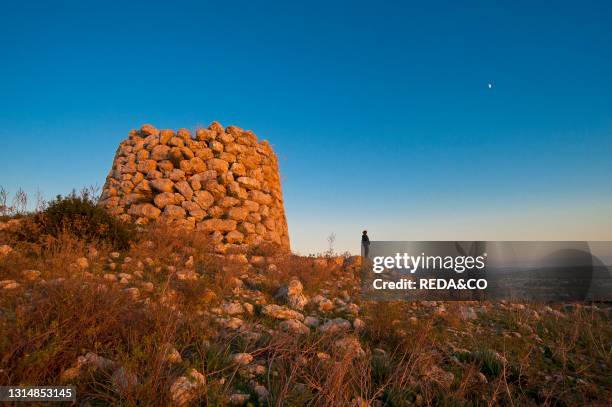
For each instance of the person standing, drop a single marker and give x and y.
(365, 244)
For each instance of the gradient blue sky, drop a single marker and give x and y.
(380, 112)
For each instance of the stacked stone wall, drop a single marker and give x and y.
(221, 181)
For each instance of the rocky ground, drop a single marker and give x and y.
(169, 323)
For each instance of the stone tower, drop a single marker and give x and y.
(222, 182)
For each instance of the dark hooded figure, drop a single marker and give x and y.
(365, 243)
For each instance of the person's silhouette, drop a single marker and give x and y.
(365, 243)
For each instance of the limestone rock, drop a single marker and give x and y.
(164, 199)
(184, 189)
(144, 210)
(280, 312)
(358, 325)
(148, 130)
(311, 321)
(335, 325)
(294, 326)
(162, 185)
(204, 199)
(233, 308)
(160, 152)
(174, 212)
(186, 388)
(292, 294)
(224, 182)
(234, 236)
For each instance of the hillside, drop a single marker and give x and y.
(167, 321)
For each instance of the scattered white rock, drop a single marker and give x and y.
(281, 312)
(335, 325)
(186, 388)
(294, 326)
(95, 362)
(311, 321)
(232, 308)
(248, 307)
(292, 294)
(231, 323)
(358, 325)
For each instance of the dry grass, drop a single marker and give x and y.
(412, 355)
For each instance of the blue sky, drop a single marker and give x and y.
(380, 113)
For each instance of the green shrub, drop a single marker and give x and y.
(79, 215)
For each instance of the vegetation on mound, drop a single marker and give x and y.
(168, 322)
(81, 216)
(74, 214)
